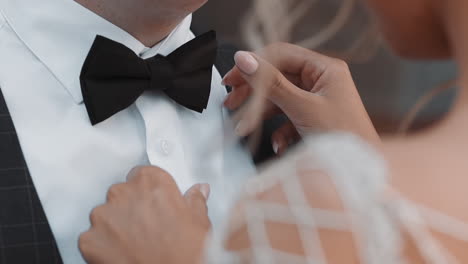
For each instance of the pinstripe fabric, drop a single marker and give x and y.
(25, 235)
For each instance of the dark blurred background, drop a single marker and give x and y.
(389, 86)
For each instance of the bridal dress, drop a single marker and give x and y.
(333, 187)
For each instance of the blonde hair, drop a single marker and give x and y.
(269, 21)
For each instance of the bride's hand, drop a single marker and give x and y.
(316, 92)
(148, 220)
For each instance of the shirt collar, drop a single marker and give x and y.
(60, 34)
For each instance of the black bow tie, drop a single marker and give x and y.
(113, 76)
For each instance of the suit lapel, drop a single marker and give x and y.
(25, 235)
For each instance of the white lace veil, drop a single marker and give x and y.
(358, 175)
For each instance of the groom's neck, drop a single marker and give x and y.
(149, 21)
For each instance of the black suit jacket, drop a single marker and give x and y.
(25, 235)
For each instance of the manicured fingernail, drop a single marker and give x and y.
(223, 82)
(246, 62)
(205, 190)
(241, 129)
(227, 100)
(275, 147)
(227, 104)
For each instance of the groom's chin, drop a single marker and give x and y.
(198, 3)
(192, 5)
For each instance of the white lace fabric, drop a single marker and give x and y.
(330, 200)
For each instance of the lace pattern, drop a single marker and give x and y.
(340, 167)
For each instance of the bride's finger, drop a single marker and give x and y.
(237, 97)
(233, 78)
(283, 137)
(267, 82)
(292, 59)
(241, 92)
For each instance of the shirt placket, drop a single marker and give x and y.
(164, 145)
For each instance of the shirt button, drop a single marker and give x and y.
(166, 147)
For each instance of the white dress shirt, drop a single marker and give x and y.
(43, 45)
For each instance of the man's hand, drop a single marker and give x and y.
(148, 220)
